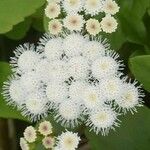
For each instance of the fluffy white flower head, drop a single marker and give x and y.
(53, 49)
(52, 10)
(45, 128)
(72, 6)
(65, 118)
(130, 97)
(13, 91)
(104, 66)
(56, 92)
(93, 26)
(111, 87)
(93, 50)
(78, 67)
(23, 144)
(30, 134)
(102, 120)
(25, 58)
(55, 27)
(110, 7)
(109, 24)
(68, 140)
(93, 7)
(73, 44)
(73, 22)
(48, 142)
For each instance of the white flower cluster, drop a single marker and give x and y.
(66, 141)
(73, 76)
(76, 15)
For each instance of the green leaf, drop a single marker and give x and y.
(45, 22)
(19, 30)
(130, 16)
(140, 67)
(13, 12)
(133, 134)
(5, 110)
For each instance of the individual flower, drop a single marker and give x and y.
(131, 97)
(23, 144)
(92, 97)
(26, 58)
(45, 128)
(73, 22)
(52, 10)
(93, 50)
(70, 119)
(55, 27)
(53, 49)
(93, 26)
(35, 106)
(106, 66)
(68, 140)
(102, 120)
(13, 91)
(110, 7)
(93, 7)
(48, 142)
(72, 6)
(30, 134)
(78, 67)
(73, 44)
(56, 92)
(111, 88)
(109, 24)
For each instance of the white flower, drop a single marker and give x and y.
(73, 44)
(93, 7)
(93, 50)
(76, 90)
(68, 140)
(52, 10)
(68, 113)
(30, 134)
(13, 91)
(109, 24)
(73, 22)
(35, 106)
(92, 97)
(57, 71)
(53, 49)
(131, 97)
(56, 92)
(93, 26)
(48, 142)
(72, 6)
(104, 66)
(25, 58)
(102, 120)
(78, 67)
(111, 88)
(57, 1)
(110, 7)
(55, 27)
(29, 81)
(23, 144)
(45, 128)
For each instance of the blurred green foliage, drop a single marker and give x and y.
(24, 20)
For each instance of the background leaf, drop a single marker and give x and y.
(134, 134)
(140, 67)
(13, 12)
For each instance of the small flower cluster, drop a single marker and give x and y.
(66, 141)
(73, 76)
(82, 13)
